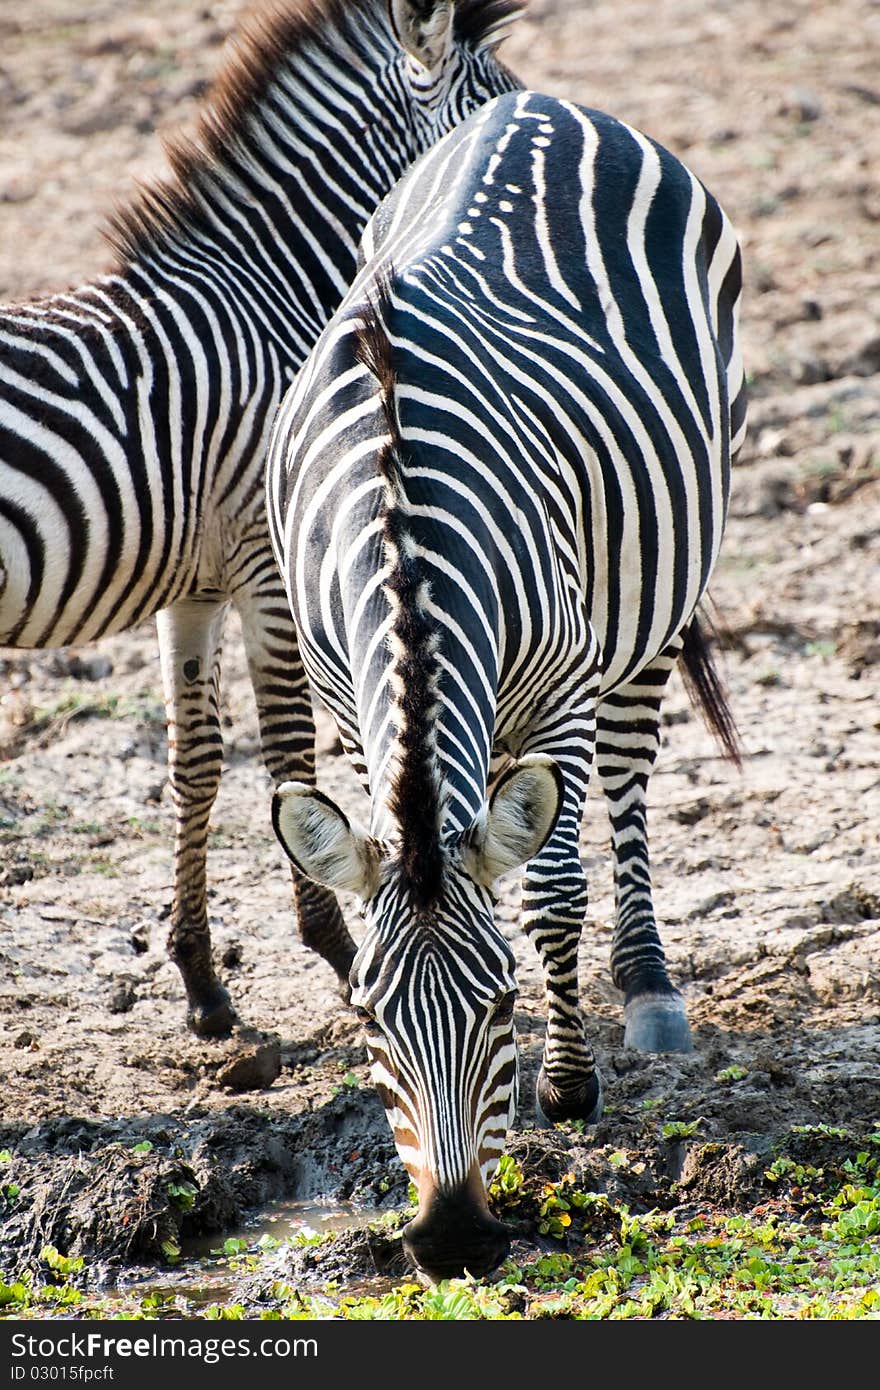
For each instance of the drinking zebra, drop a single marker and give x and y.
(497, 492)
(135, 411)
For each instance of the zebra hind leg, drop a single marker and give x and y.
(287, 739)
(190, 635)
(628, 739)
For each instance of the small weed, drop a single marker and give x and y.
(307, 1238)
(74, 704)
(62, 1266)
(87, 827)
(231, 1312)
(349, 1082)
(234, 1245)
(680, 1129)
(182, 1194)
(730, 1074)
(505, 1189)
(140, 827)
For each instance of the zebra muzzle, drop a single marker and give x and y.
(455, 1233)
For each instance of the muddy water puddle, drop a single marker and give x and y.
(212, 1268)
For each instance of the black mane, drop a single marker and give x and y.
(415, 800)
(479, 21)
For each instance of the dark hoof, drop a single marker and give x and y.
(551, 1108)
(657, 1023)
(215, 1018)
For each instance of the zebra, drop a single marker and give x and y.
(135, 410)
(497, 492)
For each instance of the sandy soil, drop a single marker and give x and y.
(766, 881)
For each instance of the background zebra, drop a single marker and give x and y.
(134, 411)
(497, 492)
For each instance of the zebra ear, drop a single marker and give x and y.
(517, 822)
(423, 29)
(322, 843)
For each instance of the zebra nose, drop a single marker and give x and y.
(452, 1235)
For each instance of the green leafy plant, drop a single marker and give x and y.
(62, 1266)
(680, 1129)
(734, 1072)
(182, 1194)
(349, 1082)
(505, 1189)
(234, 1245)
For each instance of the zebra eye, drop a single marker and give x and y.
(364, 1015)
(504, 1008)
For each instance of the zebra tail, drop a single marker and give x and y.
(706, 690)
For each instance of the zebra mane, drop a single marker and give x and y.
(264, 49)
(416, 799)
(484, 23)
(272, 35)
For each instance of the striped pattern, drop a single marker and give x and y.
(134, 411)
(542, 341)
(464, 1043)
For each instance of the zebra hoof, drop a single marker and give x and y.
(213, 1018)
(657, 1023)
(551, 1109)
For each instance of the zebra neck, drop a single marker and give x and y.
(290, 160)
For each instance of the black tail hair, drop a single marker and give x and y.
(705, 689)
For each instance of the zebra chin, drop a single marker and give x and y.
(455, 1234)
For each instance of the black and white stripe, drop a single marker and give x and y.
(134, 411)
(497, 493)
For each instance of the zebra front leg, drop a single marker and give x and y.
(628, 740)
(287, 738)
(190, 635)
(554, 901)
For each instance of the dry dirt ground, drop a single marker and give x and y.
(766, 881)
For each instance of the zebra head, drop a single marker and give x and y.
(449, 59)
(433, 983)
